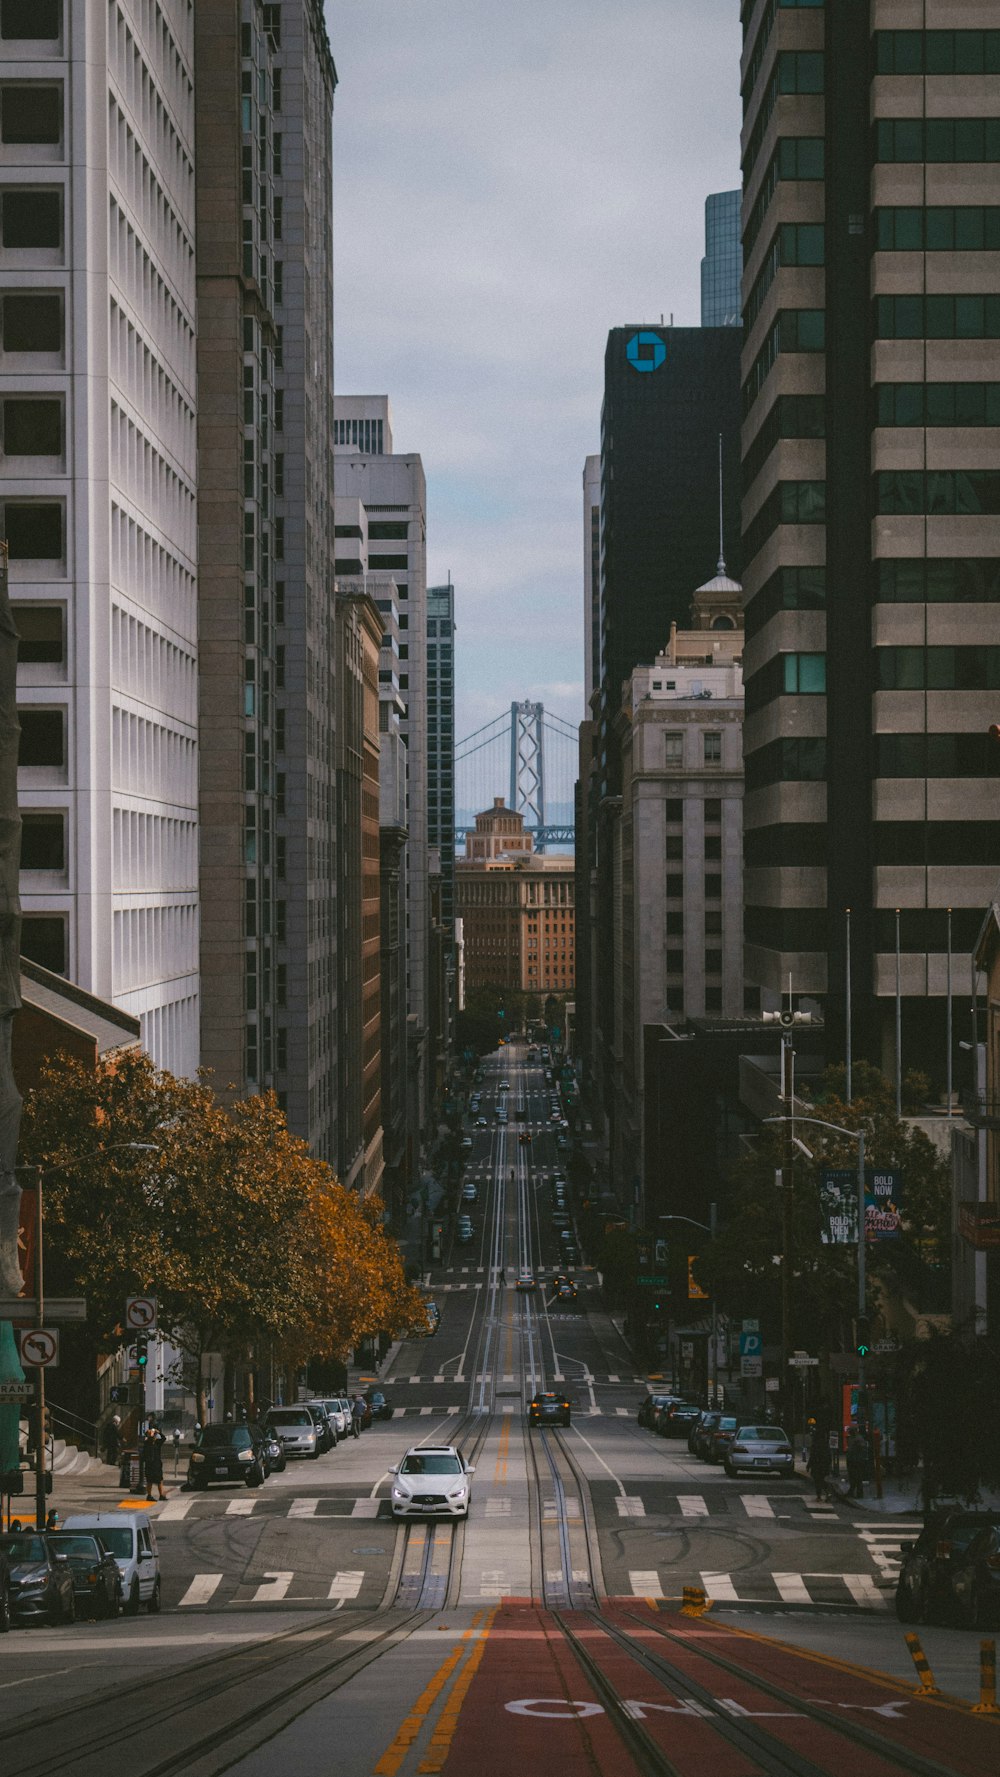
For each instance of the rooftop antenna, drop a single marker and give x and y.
(720, 567)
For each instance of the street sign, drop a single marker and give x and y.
(56, 1308)
(40, 1347)
(16, 1391)
(802, 1363)
(140, 1313)
(751, 1345)
(751, 1326)
(651, 1280)
(751, 1366)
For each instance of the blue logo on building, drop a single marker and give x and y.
(645, 351)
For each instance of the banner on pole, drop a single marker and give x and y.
(838, 1197)
(883, 1206)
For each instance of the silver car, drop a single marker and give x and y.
(432, 1481)
(757, 1448)
(296, 1430)
(339, 1411)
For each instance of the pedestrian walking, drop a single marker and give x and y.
(152, 1458)
(818, 1461)
(357, 1415)
(503, 1275)
(857, 1463)
(113, 1440)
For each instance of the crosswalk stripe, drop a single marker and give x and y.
(346, 1585)
(425, 1412)
(645, 1583)
(692, 1505)
(174, 1510)
(365, 1508)
(303, 1508)
(864, 1591)
(630, 1506)
(720, 1587)
(792, 1588)
(240, 1508)
(201, 1588)
(756, 1506)
(612, 1378)
(272, 1587)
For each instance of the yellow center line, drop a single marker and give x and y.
(394, 1755)
(447, 1722)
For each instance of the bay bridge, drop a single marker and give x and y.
(529, 757)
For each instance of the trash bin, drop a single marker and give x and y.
(128, 1474)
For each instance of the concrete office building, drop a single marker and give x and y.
(722, 266)
(97, 484)
(591, 577)
(517, 909)
(679, 940)
(265, 84)
(871, 567)
(382, 529)
(441, 740)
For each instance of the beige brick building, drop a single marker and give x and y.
(518, 908)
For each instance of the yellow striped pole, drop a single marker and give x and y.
(927, 1686)
(695, 1602)
(987, 1704)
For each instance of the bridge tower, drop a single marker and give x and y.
(527, 766)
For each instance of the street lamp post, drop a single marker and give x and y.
(856, 1135)
(709, 1228)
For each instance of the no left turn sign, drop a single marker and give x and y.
(40, 1347)
(140, 1313)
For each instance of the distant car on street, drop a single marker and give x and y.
(757, 1448)
(227, 1453)
(96, 1579)
(380, 1404)
(548, 1409)
(526, 1281)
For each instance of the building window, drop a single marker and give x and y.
(31, 115)
(713, 999)
(803, 674)
(713, 888)
(712, 749)
(713, 925)
(32, 428)
(41, 630)
(674, 847)
(675, 887)
(43, 840)
(675, 962)
(937, 52)
(713, 846)
(673, 748)
(937, 404)
(32, 323)
(964, 492)
(937, 139)
(941, 228)
(32, 20)
(43, 941)
(713, 962)
(937, 317)
(31, 218)
(713, 808)
(34, 531)
(43, 737)
(675, 925)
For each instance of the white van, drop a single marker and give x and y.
(131, 1539)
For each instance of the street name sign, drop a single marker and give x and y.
(803, 1362)
(56, 1308)
(16, 1391)
(651, 1281)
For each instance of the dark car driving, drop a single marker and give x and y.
(379, 1404)
(676, 1419)
(227, 1453)
(97, 1579)
(41, 1581)
(975, 1581)
(923, 1589)
(548, 1409)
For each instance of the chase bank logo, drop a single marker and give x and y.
(645, 351)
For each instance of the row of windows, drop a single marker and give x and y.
(673, 748)
(903, 580)
(794, 330)
(794, 243)
(937, 52)
(937, 404)
(938, 491)
(791, 502)
(803, 759)
(796, 157)
(791, 416)
(711, 848)
(30, 20)
(675, 962)
(937, 669)
(784, 675)
(921, 929)
(795, 71)
(940, 139)
(787, 589)
(712, 885)
(940, 228)
(747, 9)
(937, 317)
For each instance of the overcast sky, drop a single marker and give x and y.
(513, 178)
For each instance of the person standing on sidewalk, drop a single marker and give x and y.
(152, 1459)
(357, 1415)
(857, 1463)
(818, 1462)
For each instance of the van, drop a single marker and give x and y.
(131, 1538)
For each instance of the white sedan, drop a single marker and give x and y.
(431, 1481)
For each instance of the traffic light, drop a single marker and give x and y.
(141, 1350)
(863, 1335)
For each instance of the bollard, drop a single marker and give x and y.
(987, 1704)
(694, 1602)
(927, 1686)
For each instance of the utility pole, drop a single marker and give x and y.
(785, 1176)
(41, 1507)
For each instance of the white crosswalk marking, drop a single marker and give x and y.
(272, 1587)
(630, 1506)
(623, 1412)
(612, 1378)
(885, 1544)
(719, 1586)
(498, 1508)
(365, 1508)
(645, 1582)
(240, 1508)
(692, 1505)
(756, 1506)
(201, 1588)
(303, 1508)
(792, 1588)
(173, 1510)
(346, 1585)
(864, 1591)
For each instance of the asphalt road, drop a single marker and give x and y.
(302, 1627)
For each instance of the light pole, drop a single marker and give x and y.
(41, 1174)
(709, 1228)
(856, 1135)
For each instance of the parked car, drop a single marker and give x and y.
(923, 1588)
(97, 1581)
(561, 1219)
(380, 1405)
(469, 1192)
(227, 1453)
(464, 1231)
(131, 1538)
(274, 1454)
(757, 1448)
(296, 1429)
(677, 1419)
(650, 1407)
(548, 1409)
(5, 1616)
(327, 1425)
(431, 1481)
(721, 1437)
(40, 1578)
(975, 1581)
(338, 1410)
(695, 1427)
(702, 1433)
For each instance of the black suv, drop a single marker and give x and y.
(227, 1453)
(548, 1409)
(923, 1589)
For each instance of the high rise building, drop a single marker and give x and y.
(591, 577)
(441, 740)
(265, 80)
(517, 909)
(722, 266)
(381, 528)
(871, 548)
(97, 485)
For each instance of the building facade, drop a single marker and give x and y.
(722, 266)
(265, 84)
(871, 545)
(441, 741)
(98, 382)
(386, 520)
(518, 910)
